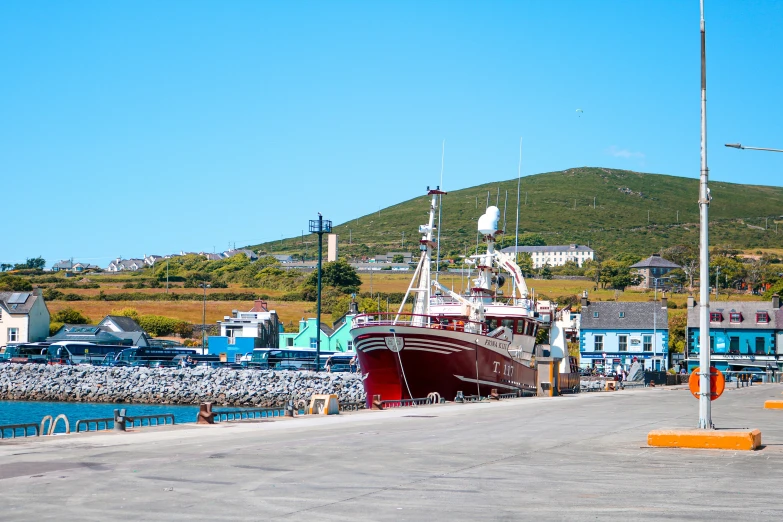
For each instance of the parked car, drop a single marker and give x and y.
(341, 368)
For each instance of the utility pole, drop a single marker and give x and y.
(320, 226)
(593, 202)
(167, 276)
(705, 388)
(403, 239)
(678, 217)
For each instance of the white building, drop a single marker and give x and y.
(259, 322)
(24, 317)
(555, 255)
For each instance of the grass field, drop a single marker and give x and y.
(290, 312)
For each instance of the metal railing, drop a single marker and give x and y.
(138, 420)
(352, 406)
(14, 428)
(250, 413)
(401, 403)
(97, 422)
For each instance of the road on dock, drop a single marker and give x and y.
(566, 458)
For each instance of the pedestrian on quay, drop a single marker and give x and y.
(353, 364)
(328, 364)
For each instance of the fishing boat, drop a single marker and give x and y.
(470, 342)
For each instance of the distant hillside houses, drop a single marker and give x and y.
(132, 265)
(555, 255)
(68, 265)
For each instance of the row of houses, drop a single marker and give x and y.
(132, 265)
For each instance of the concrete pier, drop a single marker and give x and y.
(564, 458)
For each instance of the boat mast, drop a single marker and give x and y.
(420, 285)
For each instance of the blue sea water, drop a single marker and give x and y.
(19, 412)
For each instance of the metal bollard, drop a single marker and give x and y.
(120, 420)
(376, 402)
(205, 415)
(460, 397)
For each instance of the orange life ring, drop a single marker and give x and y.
(717, 383)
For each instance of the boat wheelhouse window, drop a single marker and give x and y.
(508, 323)
(492, 324)
(520, 328)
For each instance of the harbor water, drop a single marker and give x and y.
(19, 412)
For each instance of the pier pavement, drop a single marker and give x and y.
(567, 458)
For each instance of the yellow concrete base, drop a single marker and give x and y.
(774, 405)
(706, 439)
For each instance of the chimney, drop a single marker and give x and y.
(664, 301)
(691, 302)
(584, 301)
(776, 301)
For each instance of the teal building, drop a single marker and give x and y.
(334, 339)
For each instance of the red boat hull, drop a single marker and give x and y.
(407, 362)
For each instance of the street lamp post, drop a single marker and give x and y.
(319, 226)
(204, 318)
(741, 146)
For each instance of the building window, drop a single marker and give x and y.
(237, 358)
(623, 342)
(289, 341)
(716, 317)
(313, 343)
(595, 315)
(598, 345)
(735, 317)
(734, 345)
(762, 317)
(760, 345)
(621, 314)
(350, 346)
(13, 335)
(647, 343)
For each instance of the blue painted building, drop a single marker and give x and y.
(742, 334)
(615, 334)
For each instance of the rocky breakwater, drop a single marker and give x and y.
(225, 387)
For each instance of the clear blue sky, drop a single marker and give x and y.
(152, 127)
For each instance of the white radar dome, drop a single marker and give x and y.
(488, 223)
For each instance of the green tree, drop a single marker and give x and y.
(398, 258)
(338, 274)
(545, 272)
(70, 316)
(4, 267)
(677, 329)
(9, 283)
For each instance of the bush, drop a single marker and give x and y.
(54, 327)
(70, 316)
(671, 304)
(51, 294)
(157, 325)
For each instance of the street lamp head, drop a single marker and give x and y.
(735, 145)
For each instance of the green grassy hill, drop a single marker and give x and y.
(634, 212)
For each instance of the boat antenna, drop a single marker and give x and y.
(516, 231)
(440, 209)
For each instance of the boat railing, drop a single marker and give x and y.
(420, 321)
